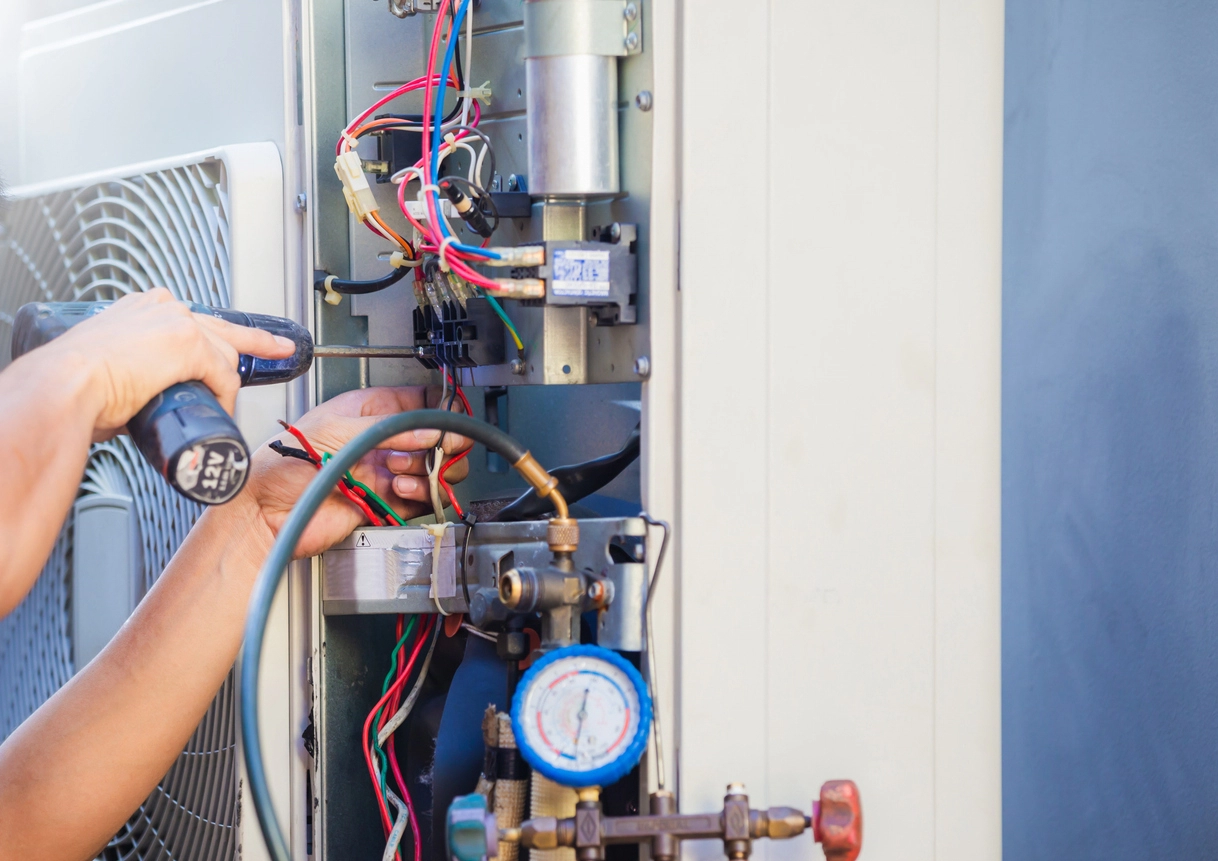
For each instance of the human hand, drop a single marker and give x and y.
(146, 342)
(391, 470)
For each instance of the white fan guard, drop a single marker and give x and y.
(161, 228)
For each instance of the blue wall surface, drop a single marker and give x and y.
(1110, 430)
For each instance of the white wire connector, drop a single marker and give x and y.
(520, 288)
(332, 296)
(520, 255)
(356, 190)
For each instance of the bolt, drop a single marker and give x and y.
(302, 202)
(632, 41)
(642, 366)
(631, 12)
(615, 232)
(518, 182)
(517, 367)
(643, 100)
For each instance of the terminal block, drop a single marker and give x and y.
(458, 337)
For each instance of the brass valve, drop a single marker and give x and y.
(836, 823)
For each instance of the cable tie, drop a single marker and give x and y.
(352, 142)
(398, 260)
(332, 296)
(444, 243)
(437, 536)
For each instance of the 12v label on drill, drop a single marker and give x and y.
(580, 272)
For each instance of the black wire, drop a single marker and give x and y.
(486, 140)
(482, 198)
(418, 118)
(287, 451)
(350, 288)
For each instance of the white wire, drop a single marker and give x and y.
(399, 826)
(399, 717)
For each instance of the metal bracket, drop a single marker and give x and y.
(607, 28)
(388, 570)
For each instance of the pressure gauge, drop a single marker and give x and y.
(581, 716)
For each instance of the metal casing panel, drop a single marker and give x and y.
(858, 623)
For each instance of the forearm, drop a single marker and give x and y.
(47, 411)
(142, 697)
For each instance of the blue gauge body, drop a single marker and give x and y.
(612, 677)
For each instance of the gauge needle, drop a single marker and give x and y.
(582, 714)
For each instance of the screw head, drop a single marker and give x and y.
(517, 182)
(643, 100)
(632, 41)
(642, 366)
(631, 12)
(302, 202)
(517, 366)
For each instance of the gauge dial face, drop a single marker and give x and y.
(581, 713)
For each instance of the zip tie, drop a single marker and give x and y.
(437, 539)
(444, 243)
(433, 479)
(351, 142)
(332, 296)
(398, 260)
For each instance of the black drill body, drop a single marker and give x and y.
(183, 432)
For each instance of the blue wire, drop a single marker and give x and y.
(454, 35)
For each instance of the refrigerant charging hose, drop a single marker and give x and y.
(281, 554)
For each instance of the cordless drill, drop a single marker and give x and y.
(183, 432)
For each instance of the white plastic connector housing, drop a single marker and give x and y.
(356, 190)
(520, 255)
(521, 288)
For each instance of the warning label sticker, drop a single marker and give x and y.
(363, 541)
(580, 272)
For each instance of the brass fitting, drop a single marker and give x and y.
(547, 832)
(589, 793)
(777, 823)
(562, 534)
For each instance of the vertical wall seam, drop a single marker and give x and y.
(934, 452)
(765, 649)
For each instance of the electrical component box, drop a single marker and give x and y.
(602, 275)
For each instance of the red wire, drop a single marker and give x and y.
(342, 486)
(396, 687)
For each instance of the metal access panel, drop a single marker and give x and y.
(564, 344)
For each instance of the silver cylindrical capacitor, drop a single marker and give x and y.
(571, 51)
(572, 125)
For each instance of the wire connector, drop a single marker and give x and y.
(520, 288)
(356, 190)
(520, 255)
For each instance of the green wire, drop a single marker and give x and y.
(325, 455)
(498, 309)
(393, 667)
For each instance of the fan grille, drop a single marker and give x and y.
(165, 228)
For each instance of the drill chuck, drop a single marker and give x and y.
(183, 432)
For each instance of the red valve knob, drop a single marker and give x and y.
(837, 820)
